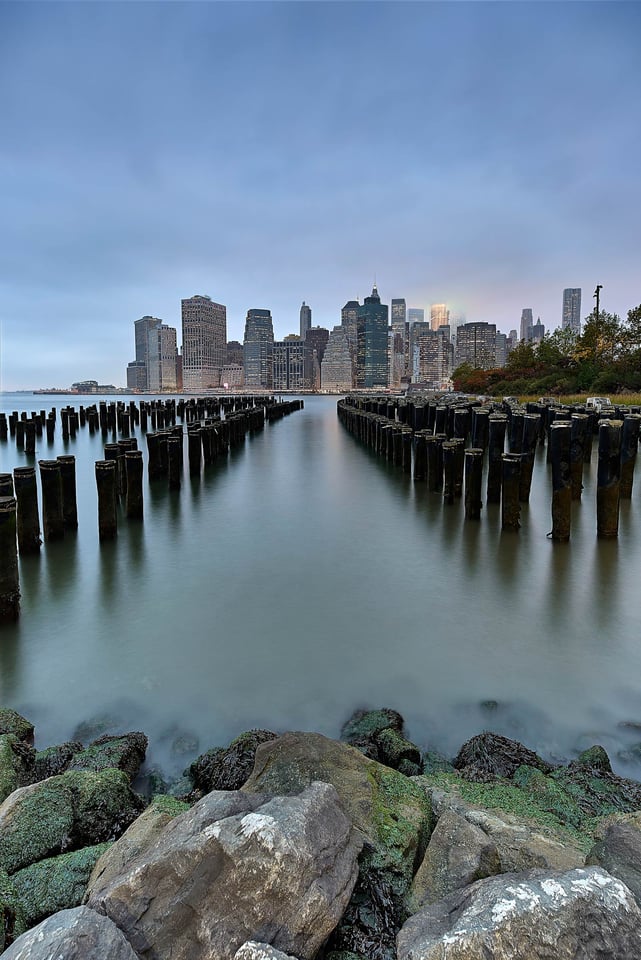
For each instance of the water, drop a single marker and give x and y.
(302, 578)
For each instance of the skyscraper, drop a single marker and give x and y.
(155, 366)
(397, 346)
(527, 322)
(432, 362)
(258, 347)
(439, 315)
(290, 364)
(336, 368)
(349, 322)
(204, 342)
(571, 317)
(371, 357)
(305, 319)
(476, 345)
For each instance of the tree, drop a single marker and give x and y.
(601, 341)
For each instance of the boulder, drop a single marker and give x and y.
(458, 854)
(227, 768)
(52, 761)
(558, 916)
(391, 812)
(619, 851)
(12, 722)
(55, 884)
(76, 934)
(596, 790)
(379, 734)
(489, 756)
(12, 922)
(16, 764)
(125, 752)
(260, 951)
(76, 809)
(237, 867)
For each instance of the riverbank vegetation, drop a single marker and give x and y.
(604, 359)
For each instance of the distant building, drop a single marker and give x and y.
(415, 315)
(232, 375)
(349, 323)
(397, 346)
(571, 316)
(290, 364)
(234, 352)
(336, 366)
(137, 376)
(316, 340)
(155, 366)
(258, 349)
(371, 357)
(527, 323)
(305, 320)
(432, 357)
(439, 315)
(502, 349)
(476, 345)
(204, 324)
(537, 331)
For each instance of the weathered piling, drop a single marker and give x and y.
(510, 482)
(6, 485)
(608, 478)
(20, 434)
(629, 447)
(435, 462)
(194, 449)
(115, 452)
(30, 437)
(106, 483)
(154, 459)
(449, 470)
(560, 443)
(440, 421)
(9, 576)
(497, 425)
(24, 479)
(51, 484)
(50, 428)
(462, 420)
(407, 435)
(529, 441)
(516, 431)
(420, 456)
(3, 426)
(578, 439)
(473, 483)
(174, 459)
(133, 498)
(68, 483)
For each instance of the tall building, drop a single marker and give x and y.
(371, 356)
(415, 315)
(527, 322)
(305, 320)
(349, 322)
(204, 342)
(316, 341)
(155, 366)
(537, 331)
(258, 349)
(290, 364)
(234, 353)
(439, 315)
(336, 367)
(476, 345)
(433, 357)
(397, 345)
(571, 317)
(502, 349)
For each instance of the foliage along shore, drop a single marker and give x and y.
(363, 848)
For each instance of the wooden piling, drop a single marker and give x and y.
(529, 441)
(497, 425)
(174, 459)
(449, 470)
(106, 483)
(51, 484)
(24, 479)
(580, 424)
(194, 449)
(134, 498)
(608, 478)
(629, 447)
(420, 456)
(560, 443)
(9, 575)
(6, 485)
(68, 482)
(473, 483)
(510, 482)
(30, 437)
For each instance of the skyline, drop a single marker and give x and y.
(265, 154)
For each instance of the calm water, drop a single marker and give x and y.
(302, 578)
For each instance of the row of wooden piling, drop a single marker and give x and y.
(437, 453)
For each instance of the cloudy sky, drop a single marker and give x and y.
(482, 154)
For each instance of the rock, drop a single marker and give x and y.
(259, 951)
(139, 836)
(12, 922)
(55, 884)
(227, 768)
(596, 790)
(490, 756)
(619, 852)
(54, 760)
(594, 758)
(562, 916)
(236, 867)
(123, 752)
(12, 722)
(77, 934)
(391, 812)
(458, 853)
(367, 723)
(379, 735)
(16, 764)
(76, 809)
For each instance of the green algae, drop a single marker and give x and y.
(173, 807)
(12, 921)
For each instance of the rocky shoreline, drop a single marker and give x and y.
(296, 845)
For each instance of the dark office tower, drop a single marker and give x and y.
(204, 342)
(571, 319)
(371, 355)
(316, 341)
(349, 323)
(476, 345)
(527, 322)
(538, 331)
(290, 364)
(145, 330)
(397, 345)
(234, 353)
(305, 319)
(258, 348)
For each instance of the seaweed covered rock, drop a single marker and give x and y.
(490, 756)
(619, 851)
(391, 812)
(16, 764)
(227, 768)
(58, 883)
(53, 761)
(238, 866)
(379, 734)
(76, 809)
(12, 922)
(595, 789)
(583, 913)
(72, 935)
(124, 751)
(14, 723)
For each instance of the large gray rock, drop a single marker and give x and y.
(77, 934)
(619, 852)
(458, 854)
(584, 914)
(238, 867)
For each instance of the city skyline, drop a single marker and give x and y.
(436, 165)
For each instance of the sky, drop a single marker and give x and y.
(482, 154)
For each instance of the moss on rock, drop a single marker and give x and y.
(123, 752)
(54, 760)
(12, 921)
(14, 723)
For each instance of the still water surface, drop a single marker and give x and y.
(301, 578)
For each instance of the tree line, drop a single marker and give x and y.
(604, 358)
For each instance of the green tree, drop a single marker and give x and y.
(601, 342)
